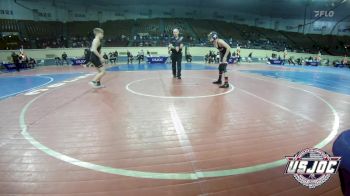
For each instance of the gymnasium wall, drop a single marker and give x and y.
(5, 55)
(47, 11)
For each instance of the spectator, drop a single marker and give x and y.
(23, 60)
(116, 54)
(64, 58)
(345, 60)
(142, 53)
(87, 54)
(105, 57)
(188, 57)
(217, 58)
(139, 58)
(299, 62)
(291, 61)
(148, 54)
(15, 60)
(326, 62)
(129, 56)
(206, 58)
(250, 57)
(285, 54)
(112, 57)
(58, 60)
(31, 63)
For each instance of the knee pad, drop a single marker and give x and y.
(222, 67)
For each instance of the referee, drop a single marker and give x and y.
(175, 46)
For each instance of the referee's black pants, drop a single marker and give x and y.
(176, 64)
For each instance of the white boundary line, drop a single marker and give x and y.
(173, 97)
(30, 89)
(181, 134)
(336, 122)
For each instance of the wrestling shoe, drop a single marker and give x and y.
(226, 85)
(217, 82)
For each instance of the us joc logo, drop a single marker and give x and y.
(312, 167)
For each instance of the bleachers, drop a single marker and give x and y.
(273, 35)
(201, 27)
(150, 26)
(330, 43)
(81, 28)
(34, 29)
(170, 24)
(226, 29)
(9, 25)
(120, 32)
(300, 41)
(116, 28)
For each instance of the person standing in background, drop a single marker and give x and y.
(116, 54)
(318, 57)
(238, 53)
(175, 47)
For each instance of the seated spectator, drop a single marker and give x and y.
(105, 57)
(58, 61)
(31, 63)
(273, 56)
(112, 58)
(299, 61)
(129, 56)
(64, 58)
(188, 57)
(139, 58)
(142, 55)
(148, 54)
(116, 54)
(23, 60)
(15, 60)
(291, 61)
(212, 57)
(326, 62)
(217, 59)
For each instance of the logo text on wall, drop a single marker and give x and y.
(312, 167)
(323, 13)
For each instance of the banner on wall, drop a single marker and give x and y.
(78, 61)
(154, 60)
